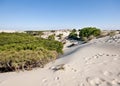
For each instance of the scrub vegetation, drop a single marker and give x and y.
(24, 51)
(85, 34)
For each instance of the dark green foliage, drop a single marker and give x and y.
(60, 36)
(10, 38)
(17, 49)
(89, 31)
(74, 30)
(73, 35)
(23, 41)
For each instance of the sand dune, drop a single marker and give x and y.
(96, 63)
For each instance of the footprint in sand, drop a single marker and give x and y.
(87, 60)
(106, 84)
(94, 81)
(73, 69)
(101, 82)
(97, 55)
(107, 55)
(100, 54)
(114, 82)
(114, 55)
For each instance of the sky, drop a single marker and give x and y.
(59, 14)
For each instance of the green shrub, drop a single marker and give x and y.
(88, 31)
(22, 41)
(24, 51)
(73, 35)
(25, 59)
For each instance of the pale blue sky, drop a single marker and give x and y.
(59, 14)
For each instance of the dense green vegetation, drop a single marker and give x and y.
(24, 51)
(73, 35)
(88, 33)
(85, 34)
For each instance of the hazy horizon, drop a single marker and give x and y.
(59, 14)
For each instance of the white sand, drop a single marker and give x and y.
(96, 63)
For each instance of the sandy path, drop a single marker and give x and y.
(93, 64)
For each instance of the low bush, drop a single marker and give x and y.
(88, 32)
(73, 35)
(24, 51)
(24, 59)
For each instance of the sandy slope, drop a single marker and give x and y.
(93, 64)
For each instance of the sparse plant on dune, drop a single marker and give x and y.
(112, 33)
